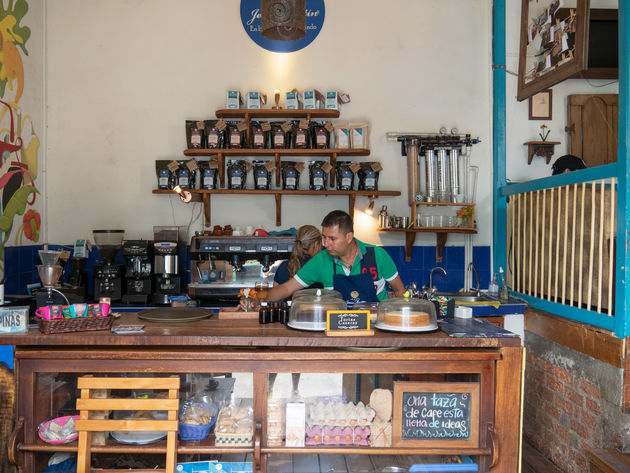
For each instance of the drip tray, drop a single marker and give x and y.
(174, 314)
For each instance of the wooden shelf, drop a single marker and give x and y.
(278, 193)
(441, 233)
(544, 149)
(221, 153)
(276, 113)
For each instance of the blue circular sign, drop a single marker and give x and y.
(250, 17)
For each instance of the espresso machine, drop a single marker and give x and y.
(220, 266)
(138, 256)
(167, 264)
(108, 274)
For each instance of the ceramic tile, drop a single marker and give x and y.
(481, 258)
(454, 258)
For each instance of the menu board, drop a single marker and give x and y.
(348, 320)
(426, 413)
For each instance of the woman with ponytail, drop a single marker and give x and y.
(308, 242)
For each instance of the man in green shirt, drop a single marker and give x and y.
(358, 270)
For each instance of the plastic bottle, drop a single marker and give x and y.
(493, 287)
(503, 292)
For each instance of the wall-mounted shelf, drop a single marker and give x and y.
(441, 231)
(248, 113)
(220, 153)
(544, 149)
(277, 193)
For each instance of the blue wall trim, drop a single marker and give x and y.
(499, 217)
(622, 290)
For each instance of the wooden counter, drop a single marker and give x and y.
(242, 333)
(237, 346)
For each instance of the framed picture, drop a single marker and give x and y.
(553, 43)
(540, 105)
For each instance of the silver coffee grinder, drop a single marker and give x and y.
(167, 271)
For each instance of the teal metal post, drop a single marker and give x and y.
(499, 216)
(622, 269)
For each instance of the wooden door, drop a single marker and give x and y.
(592, 126)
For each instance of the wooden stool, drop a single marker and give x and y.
(87, 405)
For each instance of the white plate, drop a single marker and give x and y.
(138, 438)
(310, 327)
(397, 328)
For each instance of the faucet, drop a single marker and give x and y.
(471, 266)
(430, 289)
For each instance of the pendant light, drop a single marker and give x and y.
(283, 20)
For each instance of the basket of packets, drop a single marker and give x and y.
(73, 318)
(196, 419)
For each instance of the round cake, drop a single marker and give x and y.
(409, 319)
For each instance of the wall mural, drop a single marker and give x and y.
(19, 144)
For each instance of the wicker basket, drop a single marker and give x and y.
(77, 324)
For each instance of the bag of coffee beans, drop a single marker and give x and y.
(215, 133)
(345, 176)
(368, 176)
(279, 136)
(184, 176)
(208, 174)
(320, 135)
(236, 135)
(290, 171)
(262, 174)
(259, 137)
(317, 175)
(165, 178)
(195, 134)
(237, 173)
(301, 136)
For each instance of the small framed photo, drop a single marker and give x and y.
(540, 105)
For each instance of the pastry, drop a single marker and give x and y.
(410, 319)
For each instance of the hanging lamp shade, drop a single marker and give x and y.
(284, 20)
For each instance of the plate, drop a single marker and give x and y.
(138, 438)
(395, 328)
(312, 327)
(175, 314)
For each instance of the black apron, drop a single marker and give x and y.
(360, 287)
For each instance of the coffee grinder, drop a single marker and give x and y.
(166, 264)
(108, 275)
(137, 254)
(49, 272)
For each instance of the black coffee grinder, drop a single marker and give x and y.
(138, 255)
(108, 275)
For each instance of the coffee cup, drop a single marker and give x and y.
(50, 312)
(75, 310)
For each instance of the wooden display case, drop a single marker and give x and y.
(47, 365)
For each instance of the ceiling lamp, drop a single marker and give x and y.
(283, 20)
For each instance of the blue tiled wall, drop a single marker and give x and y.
(423, 260)
(20, 262)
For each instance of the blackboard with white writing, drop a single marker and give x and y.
(436, 416)
(348, 320)
(431, 413)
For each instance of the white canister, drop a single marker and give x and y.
(463, 312)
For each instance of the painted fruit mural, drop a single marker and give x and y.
(19, 144)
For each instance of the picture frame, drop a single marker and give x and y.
(552, 43)
(540, 105)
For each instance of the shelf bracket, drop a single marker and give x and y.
(278, 169)
(206, 209)
(221, 160)
(351, 200)
(333, 163)
(441, 241)
(410, 238)
(278, 209)
(16, 438)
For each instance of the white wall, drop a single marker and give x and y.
(124, 75)
(519, 128)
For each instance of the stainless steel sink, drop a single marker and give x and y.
(463, 296)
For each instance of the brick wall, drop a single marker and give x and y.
(572, 404)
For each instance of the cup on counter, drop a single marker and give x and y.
(261, 290)
(75, 310)
(249, 230)
(50, 312)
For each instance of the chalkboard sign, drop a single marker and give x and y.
(347, 320)
(426, 413)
